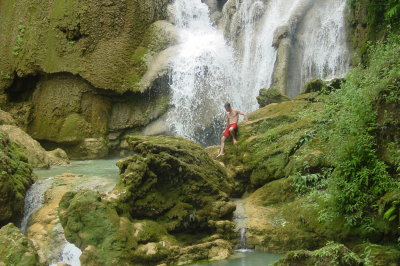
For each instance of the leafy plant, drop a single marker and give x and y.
(360, 177)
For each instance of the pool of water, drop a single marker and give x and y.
(101, 168)
(253, 258)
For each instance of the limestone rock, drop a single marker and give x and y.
(15, 179)
(16, 249)
(92, 39)
(90, 148)
(6, 119)
(170, 206)
(271, 95)
(58, 157)
(37, 156)
(149, 183)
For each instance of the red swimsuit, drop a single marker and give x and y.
(227, 133)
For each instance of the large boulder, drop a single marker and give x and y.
(173, 180)
(15, 179)
(16, 249)
(36, 154)
(170, 206)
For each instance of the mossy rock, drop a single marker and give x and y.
(16, 249)
(314, 85)
(280, 140)
(331, 254)
(271, 95)
(378, 255)
(276, 192)
(170, 187)
(88, 221)
(15, 179)
(82, 38)
(174, 181)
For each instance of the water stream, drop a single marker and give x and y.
(99, 175)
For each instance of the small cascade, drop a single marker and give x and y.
(239, 217)
(69, 255)
(243, 244)
(33, 200)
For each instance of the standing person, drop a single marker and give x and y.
(231, 126)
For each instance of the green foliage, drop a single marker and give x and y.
(360, 177)
(303, 184)
(389, 8)
(19, 41)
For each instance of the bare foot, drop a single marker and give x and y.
(235, 141)
(220, 155)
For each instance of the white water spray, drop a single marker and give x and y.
(201, 79)
(208, 71)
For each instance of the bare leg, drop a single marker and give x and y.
(233, 134)
(221, 150)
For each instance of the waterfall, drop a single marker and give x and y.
(202, 77)
(320, 45)
(33, 200)
(257, 44)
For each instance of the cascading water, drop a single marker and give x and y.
(320, 45)
(251, 31)
(214, 66)
(201, 79)
(239, 218)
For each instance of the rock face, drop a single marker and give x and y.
(16, 249)
(79, 76)
(37, 156)
(106, 43)
(169, 207)
(15, 179)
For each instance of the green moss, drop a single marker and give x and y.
(16, 249)
(271, 95)
(15, 179)
(173, 181)
(378, 255)
(331, 254)
(74, 129)
(279, 142)
(89, 221)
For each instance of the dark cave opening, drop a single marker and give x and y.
(21, 89)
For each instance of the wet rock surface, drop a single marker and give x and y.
(169, 206)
